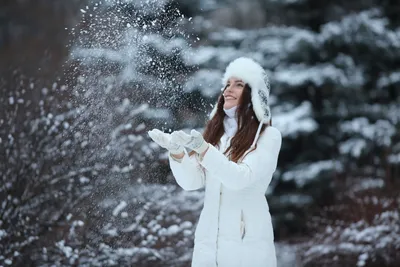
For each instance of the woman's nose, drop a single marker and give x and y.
(228, 88)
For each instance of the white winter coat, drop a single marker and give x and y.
(234, 228)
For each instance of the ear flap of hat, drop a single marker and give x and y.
(260, 100)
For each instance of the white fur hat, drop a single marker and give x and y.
(254, 75)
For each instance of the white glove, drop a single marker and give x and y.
(194, 140)
(164, 140)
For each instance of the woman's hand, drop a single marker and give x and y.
(164, 140)
(194, 140)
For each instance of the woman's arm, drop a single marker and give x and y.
(260, 163)
(188, 173)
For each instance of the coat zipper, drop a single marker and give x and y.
(219, 208)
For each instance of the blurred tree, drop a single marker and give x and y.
(73, 145)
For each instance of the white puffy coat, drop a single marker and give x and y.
(234, 228)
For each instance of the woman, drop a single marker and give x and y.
(234, 161)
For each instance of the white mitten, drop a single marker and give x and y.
(164, 140)
(194, 140)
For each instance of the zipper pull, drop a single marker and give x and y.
(242, 226)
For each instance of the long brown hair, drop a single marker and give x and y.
(247, 126)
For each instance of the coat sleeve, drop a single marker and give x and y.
(257, 164)
(188, 173)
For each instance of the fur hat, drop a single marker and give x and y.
(251, 73)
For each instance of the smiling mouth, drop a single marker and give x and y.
(230, 98)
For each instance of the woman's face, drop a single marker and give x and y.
(232, 92)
